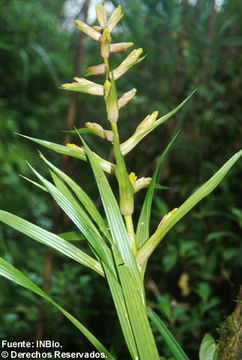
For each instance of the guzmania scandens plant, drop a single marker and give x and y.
(120, 252)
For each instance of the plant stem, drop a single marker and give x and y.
(131, 233)
(106, 68)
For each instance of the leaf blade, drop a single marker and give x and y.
(82, 196)
(203, 191)
(167, 336)
(52, 240)
(76, 153)
(10, 272)
(142, 233)
(79, 217)
(115, 220)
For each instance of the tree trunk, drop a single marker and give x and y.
(210, 36)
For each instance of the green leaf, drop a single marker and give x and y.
(122, 312)
(207, 350)
(72, 236)
(34, 183)
(77, 214)
(76, 153)
(171, 342)
(126, 191)
(129, 144)
(144, 338)
(115, 220)
(46, 60)
(47, 238)
(142, 233)
(81, 131)
(10, 272)
(232, 41)
(147, 249)
(83, 197)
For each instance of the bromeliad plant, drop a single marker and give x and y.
(120, 252)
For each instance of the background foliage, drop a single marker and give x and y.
(193, 277)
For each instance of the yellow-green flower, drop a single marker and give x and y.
(85, 86)
(120, 46)
(128, 62)
(147, 122)
(99, 131)
(88, 30)
(96, 70)
(114, 18)
(101, 15)
(126, 98)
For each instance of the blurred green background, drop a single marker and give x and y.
(194, 276)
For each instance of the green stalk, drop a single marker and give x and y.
(126, 192)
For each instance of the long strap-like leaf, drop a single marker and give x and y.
(137, 314)
(77, 214)
(47, 238)
(147, 249)
(10, 272)
(115, 221)
(83, 197)
(133, 141)
(167, 336)
(76, 153)
(122, 312)
(142, 233)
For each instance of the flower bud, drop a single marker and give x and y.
(115, 18)
(126, 98)
(167, 216)
(85, 86)
(105, 41)
(111, 101)
(147, 122)
(99, 131)
(131, 142)
(101, 15)
(96, 70)
(120, 46)
(142, 183)
(88, 30)
(125, 65)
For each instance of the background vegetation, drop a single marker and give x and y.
(194, 277)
